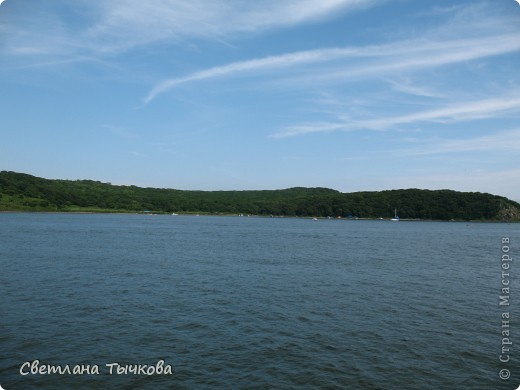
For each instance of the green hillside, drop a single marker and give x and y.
(22, 192)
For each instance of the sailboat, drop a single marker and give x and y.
(395, 218)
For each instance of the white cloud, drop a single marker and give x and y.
(111, 27)
(359, 62)
(457, 112)
(467, 33)
(273, 62)
(407, 87)
(504, 141)
(127, 22)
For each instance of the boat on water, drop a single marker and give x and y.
(396, 217)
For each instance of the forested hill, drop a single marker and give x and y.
(22, 192)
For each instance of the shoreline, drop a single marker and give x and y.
(195, 214)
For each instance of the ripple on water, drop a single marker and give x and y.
(250, 302)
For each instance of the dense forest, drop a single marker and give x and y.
(22, 192)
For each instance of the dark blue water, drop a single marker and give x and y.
(261, 303)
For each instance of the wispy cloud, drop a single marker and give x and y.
(359, 62)
(407, 87)
(454, 113)
(112, 27)
(127, 23)
(504, 141)
(273, 62)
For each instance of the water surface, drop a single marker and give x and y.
(237, 302)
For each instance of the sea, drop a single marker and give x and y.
(121, 301)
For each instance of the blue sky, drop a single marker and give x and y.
(347, 94)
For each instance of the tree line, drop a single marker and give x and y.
(23, 192)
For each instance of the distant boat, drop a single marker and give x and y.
(395, 218)
(175, 214)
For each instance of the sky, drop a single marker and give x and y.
(353, 95)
